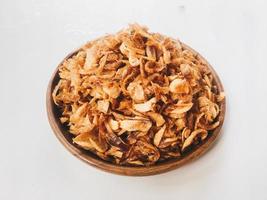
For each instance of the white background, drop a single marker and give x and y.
(36, 35)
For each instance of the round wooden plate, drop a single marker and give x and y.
(66, 138)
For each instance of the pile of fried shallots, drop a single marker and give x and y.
(137, 98)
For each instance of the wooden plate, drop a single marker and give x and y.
(66, 138)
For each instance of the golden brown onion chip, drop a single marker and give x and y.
(137, 98)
